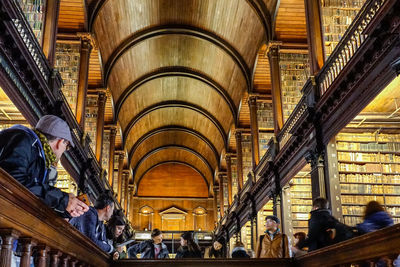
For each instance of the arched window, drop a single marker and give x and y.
(146, 214)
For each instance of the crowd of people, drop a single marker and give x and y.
(31, 156)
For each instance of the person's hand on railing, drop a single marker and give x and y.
(76, 207)
(116, 255)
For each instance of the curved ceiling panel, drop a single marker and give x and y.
(182, 51)
(180, 89)
(180, 138)
(173, 154)
(175, 116)
(229, 19)
(172, 179)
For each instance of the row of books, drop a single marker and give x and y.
(369, 189)
(368, 137)
(360, 199)
(369, 178)
(342, 3)
(368, 146)
(370, 167)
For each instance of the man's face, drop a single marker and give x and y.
(217, 245)
(157, 239)
(109, 211)
(271, 225)
(59, 146)
(183, 242)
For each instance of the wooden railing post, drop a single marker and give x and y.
(27, 244)
(8, 236)
(43, 255)
(55, 258)
(64, 260)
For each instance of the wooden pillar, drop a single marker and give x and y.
(318, 185)
(255, 142)
(315, 35)
(27, 244)
(215, 203)
(50, 30)
(229, 177)
(42, 255)
(55, 258)
(100, 125)
(273, 56)
(127, 174)
(8, 236)
(120, 169)
(86, 48)
(221, 194)
(128, 212)
(113, 134)
(239, 159)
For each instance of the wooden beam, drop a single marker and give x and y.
(273, 56)
(86, 48)
(50, 30)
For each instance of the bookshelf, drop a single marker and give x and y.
(246, 235)
(91, 119)
(115, 182)
(266, 210)
(265, 117)
(300, 200)
(295, 70)
(67, 63)
(226, 201)
(34, 11)
(263, 141)
(337, 15)
(105, 158)
(369, 169)
(65, 182)
(234, 177)
(247, 156)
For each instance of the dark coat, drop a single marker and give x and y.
(239, 252)
(146, 249)
(317, 237)
(184, 253)
(89, 225)
(375, 221)
(22, 156)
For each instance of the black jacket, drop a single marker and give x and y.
(184, 253)
(146, 249)
(22, 156)
(320, 221)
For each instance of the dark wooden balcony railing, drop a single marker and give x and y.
(352, 40)
(207, 262)
(23, 216)
(382, 245)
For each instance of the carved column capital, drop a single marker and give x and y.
(252, 101)
(238, 134)
(88, 40)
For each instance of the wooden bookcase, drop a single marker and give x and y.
(91, 119)
(246, 235)
(34, 11)
(105, 158)
(65, 182)
(337, 15)
(295, 70)
(235, 188)
(247, 156)
(67, 63)
(369, 169)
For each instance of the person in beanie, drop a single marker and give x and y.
(30, 156)
(150, 249)
(189, 248)
(273, 244)
(239, 251)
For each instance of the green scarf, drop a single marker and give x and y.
(50, 157)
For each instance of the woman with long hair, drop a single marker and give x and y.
(375, 218)
(189, 248)
(217, 250)
(114, 231)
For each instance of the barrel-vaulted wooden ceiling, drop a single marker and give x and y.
(180, 71)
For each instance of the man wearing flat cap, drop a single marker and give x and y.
(30, 156)
(273, 244)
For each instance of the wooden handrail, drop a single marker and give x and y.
(25, 214)
(371, 247)
(206, 262)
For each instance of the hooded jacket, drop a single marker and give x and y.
(375, 221)
(22, 156)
